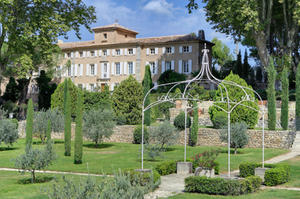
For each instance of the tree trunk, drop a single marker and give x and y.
(235, 151)
(33, 176)
(261, 43)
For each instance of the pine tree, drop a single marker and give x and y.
(29, 123)
(246, 67)
(285, 99)
(271, 96)
(194, 129)
(78, 130)
(147, 84)
(298, 98)
(67, 110)
(49, 130)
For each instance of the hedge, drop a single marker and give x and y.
(144, 178)
(220, 186)
(166, 167)
(248, 168)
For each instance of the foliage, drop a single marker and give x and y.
(29, 123)
(238, 68)
(248, 168)
(35, 159)
(41, 122)
(238, 135)
(8, 132)
(148, 180)
(78, 131)
(277, 175)
(200, 93)
(11, 91)
(147, 84)
(227, 68)
(195, 126)
(271, 96)
(48, 132)
(219, 120)
(179, 121)
(46, 89)
(284, 117)
(137, 135)
(153, 151)
(127, 100)
(98, 124)
(170, 76)
(97, 100)
(207, 159)
(166, 167)
(259, 75)
(220, 186)
(57, 98)
(163, 135)
(68, 118)
(298, 98)
(236, 94)
(3, 113)
(246, 68)
(164, 108)
(220, 53)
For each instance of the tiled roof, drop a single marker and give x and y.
(114, 26)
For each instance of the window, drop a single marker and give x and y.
(105, 36)
(118, 52)
(92, 86)
(104, 52)
(118, 68)
(69, 71)
(169, 50)
(92, 53)
(81, 54)
(69, 55)
(105, 70)
(168, 65)
(152, 51)
(130, 67)
(125, 36)
(185, 49)
(105, 67)
(130, 51)
(152, 66)
(92, 69)
(185, 66)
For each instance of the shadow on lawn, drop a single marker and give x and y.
(39, 179)
(8, 148)
(99, 146)
(40, 142)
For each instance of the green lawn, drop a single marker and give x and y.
(112, 156)
(11, 188)
(295, 172)
(265, 194)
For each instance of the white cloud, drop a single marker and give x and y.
(159, 6)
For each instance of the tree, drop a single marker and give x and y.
(246, 68)
(98, 124)
(35, 159)
(195, 127)
(137, 135)
(78, 131)
(284, 117)
(29, 123)
(48, 132)
(68, 119)
(220, 53)
(8, 132)
(227, 68)
(259, 75)
(147, 84)
(11, 90)
(97, 100)
(127, 99)
(170, 76)
(271, 96)
(298, 98)
(238, 135)
(238, 69)
(29, 32)
(179, 121)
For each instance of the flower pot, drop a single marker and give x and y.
(200, 171)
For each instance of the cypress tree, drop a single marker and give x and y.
(238, 65)
(147, 84)
(298, 98)
(49, 129)
(29, 123)
(271, 96)
(194, 129)
(67, 110)
(246, 67)
(78, 130)
(284, 99)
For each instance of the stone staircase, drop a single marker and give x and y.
(296, 144)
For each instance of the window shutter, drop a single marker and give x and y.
(96, 67)
(180, 66)
(108, 52)
(121, 68)
(113, 68)
(125, 51)
(96, 53)
(156, 67)
(76, 67)
(84, 53)
(72, 70)
(134, 51)
(87, 87)
(133, 63)
(125, 68)
(81, 69)
(173, 49)
(76, 54)
(88, 53)
(164, 50)
(148, 51)
(162, 66)
(113, 52)
(112, 86)
(190, 65)
(180, 49)
(190, 49)
(172, 65)
(156, 51)
(66, 55)
(100, 53)
(72, 54)
(87, 69)
(121, 51)
(102, 70)
(108, 70)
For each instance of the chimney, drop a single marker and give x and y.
(201, 34)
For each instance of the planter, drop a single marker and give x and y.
(210, 173)
(184, 168)
(261, 172)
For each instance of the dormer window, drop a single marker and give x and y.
(105, 35)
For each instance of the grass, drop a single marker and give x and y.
(265, 194)
(12, 188)
(110, 157)
(295, 172)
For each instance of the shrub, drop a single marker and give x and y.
(127, 99)
(271, 96)
(8, 132)
(194, 129)
(153, 151)
(220, 186)
(3, 113)
(240, 113)
(219, 120)
(68, 119)
(97, 100)
(15, 121)
(179, 121)
(137, 135)
(29, 123)
(98, 124)
(248, 169)
(278, 175)
(238, 135)
(147, 84)
(78, 131)
(11, 91)
(166, 167)
(144, 179)
(207, 159)
(168, 77)
(298, 98)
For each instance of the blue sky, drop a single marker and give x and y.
(152, 18)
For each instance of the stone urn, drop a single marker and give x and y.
(202, 171)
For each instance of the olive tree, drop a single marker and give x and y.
(98, 124)
(8, 132)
